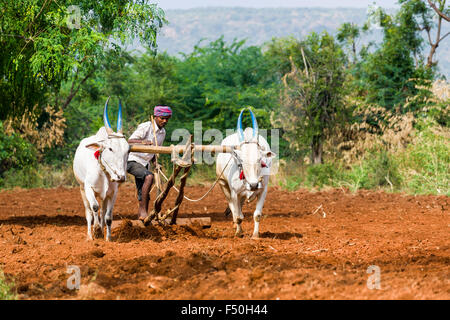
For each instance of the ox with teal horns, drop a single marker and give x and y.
(106, 119)
(100, 167)
(254, 126)
(244, 173)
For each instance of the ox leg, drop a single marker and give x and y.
(226, 191)
(109, 204)
(88, 214)
(102, 215)
(93, 205)
(258, 210)
(238, 217)
(99, 225)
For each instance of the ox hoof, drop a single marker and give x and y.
(255, 237)
(239, 234)
(98, 232)
(146, 221)
(89, 237)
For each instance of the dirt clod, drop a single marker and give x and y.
(90, 291)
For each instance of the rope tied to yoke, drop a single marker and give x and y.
(160, 196)
(202, 197)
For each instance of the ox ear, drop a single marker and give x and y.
(94, 146)
(269, 154)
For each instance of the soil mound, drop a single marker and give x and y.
(127, 232)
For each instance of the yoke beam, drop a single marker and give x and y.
(178, 148)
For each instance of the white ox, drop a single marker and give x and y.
(99, 167)
(245, 172)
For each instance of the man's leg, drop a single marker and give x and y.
(144, 181)
(145, 197)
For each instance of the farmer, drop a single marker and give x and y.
(139, 163)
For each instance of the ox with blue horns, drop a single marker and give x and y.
(244, 173)
(100, 165)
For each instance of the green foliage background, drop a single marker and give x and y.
(76, 70)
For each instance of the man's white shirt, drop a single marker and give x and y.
(145, 132)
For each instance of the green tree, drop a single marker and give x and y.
(348, 35)
(427, 13)
(312, 104)
(151, 81)
(84, 115)
(42, 47)
(391, 73)
(216, 81)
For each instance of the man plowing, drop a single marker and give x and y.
(149, 133)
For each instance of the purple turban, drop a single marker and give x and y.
(162, 111)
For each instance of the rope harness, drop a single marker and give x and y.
(98, 156)
(202, 197)
(238, 163)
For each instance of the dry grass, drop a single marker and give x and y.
(50, 134)
(379, 129)
(441, 90)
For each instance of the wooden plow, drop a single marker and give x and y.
(180, 163)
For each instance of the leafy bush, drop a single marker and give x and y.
(321, 175)
(354, 178)
(6, 289)
(42, 176)
(380, 170)
(15, 152)
(426, 163)
(292, 183)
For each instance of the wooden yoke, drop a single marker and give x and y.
(179, 149)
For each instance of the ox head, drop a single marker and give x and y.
(250, 156)
(112, 148)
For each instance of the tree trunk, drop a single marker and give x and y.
(431, 55)
(74, 92)
(434, 45)
(317, 150)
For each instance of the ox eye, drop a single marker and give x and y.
(110, 149)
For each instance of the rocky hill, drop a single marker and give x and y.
(187, 27)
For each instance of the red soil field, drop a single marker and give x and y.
(305, 251)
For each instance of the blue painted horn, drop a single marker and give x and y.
(254, 125)
(105, 117)
(239, 127)
(106, 122)
(119, 118)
